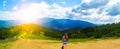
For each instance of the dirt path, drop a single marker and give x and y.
(35, 44)
(48, 44)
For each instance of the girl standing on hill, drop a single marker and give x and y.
(64, 40)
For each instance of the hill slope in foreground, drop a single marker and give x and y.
(50, 44)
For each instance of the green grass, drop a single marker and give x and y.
(92, 40)
(4, 44)
(31, 36)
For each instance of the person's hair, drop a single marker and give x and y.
(66, 36)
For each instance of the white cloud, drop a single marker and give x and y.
(4, 1)
(5, 15)
(63, 2)
(95, 16)
(15, 8)
(86, 1)
(40, 10)
(117, 19)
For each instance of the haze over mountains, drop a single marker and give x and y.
(57, 24)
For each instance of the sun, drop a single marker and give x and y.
(28, 13)
(28, 20)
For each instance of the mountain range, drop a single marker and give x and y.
(56, 24)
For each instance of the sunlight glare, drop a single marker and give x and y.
(28, 20)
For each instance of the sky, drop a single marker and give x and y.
(94, 11)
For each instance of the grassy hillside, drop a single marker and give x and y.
(28, 31)
(103, 31)
(36, 31)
